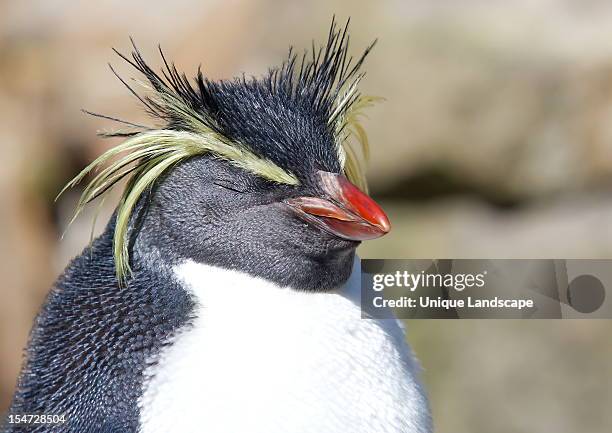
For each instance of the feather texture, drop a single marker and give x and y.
(350, 130)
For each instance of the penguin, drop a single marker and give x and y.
(224, 293)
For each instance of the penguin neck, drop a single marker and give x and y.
(203, 280)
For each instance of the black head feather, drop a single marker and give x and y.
(288, 116)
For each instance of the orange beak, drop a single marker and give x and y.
(345, 211)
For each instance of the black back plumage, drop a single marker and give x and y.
(93, 340)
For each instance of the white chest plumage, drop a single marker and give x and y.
(261, 358)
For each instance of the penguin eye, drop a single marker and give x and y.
(232, 185)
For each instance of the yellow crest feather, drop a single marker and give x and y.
(146, 157)
(349, 130)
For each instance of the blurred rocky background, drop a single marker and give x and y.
(495, 141)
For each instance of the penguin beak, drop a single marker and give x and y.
(344, 211)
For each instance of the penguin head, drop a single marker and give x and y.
(256, 175)
(300, 236)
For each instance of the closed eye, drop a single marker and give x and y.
(226, 184)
